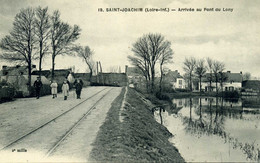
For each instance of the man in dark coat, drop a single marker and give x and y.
(37, 85)
(78, 87)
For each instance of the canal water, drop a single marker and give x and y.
(214, 129)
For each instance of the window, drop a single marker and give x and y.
(180, 82)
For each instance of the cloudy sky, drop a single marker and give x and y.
(230, 37)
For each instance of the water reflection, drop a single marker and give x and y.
(235, 122)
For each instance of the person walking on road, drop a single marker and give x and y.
(54, 87)
(65, 89)
(78, 87)
(38, 85)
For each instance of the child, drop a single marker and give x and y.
(54, 87)
(65, 89)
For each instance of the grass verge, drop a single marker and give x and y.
(139, 138)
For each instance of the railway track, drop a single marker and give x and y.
(19, 139)
(74, 126)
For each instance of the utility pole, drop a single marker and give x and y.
(97, 74)
(101, 73)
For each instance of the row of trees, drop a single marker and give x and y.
(197, 68)
(35, 34)
(149, 51)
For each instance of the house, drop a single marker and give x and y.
(251, 87)
(15, 70)
(17, 76)
(135, 75)
(231, 82)
(175, 79)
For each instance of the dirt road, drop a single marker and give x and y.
(29, 115)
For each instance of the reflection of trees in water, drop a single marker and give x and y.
(214, 125)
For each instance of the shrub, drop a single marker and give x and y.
(182, 90)
(6, 91)
(231, 94)
(162, 96)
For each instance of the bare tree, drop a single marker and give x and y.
(18, 45)
(62, 37)
(42, 31)
(166, 57)
(217, 68)
(143, 66)
(189, 67)
(247, 76)
(147, 50)
(210, 77)
(87, 55)
(200, 70)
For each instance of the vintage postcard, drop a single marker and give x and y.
(129, 81)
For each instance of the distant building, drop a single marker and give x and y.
(15, 70)
(231, 82)
(17, 76)
(175, 79)
(135, 76)
(251, 87)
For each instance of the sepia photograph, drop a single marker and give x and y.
(129, 81)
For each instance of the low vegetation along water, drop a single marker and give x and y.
(213, 129)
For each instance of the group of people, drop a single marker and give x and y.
(78, 84)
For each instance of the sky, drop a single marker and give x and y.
(229, 37)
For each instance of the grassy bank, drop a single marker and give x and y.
(138, 138)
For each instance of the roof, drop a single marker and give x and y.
(230, 77)
(80, 75)
(59, 72)
(16, 70)
(172, 75)
(45, 73)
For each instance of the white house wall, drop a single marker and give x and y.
(236, 85)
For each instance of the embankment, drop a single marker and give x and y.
(137, 138)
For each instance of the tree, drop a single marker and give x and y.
(42, 31)
(200, 70)
(86, 54)
(62, 37)
(222, 77)
(210, 77)
(165, 58)
(217, 68)
(18, 45)
(189, 67)
(247, 76)
(147, 50)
